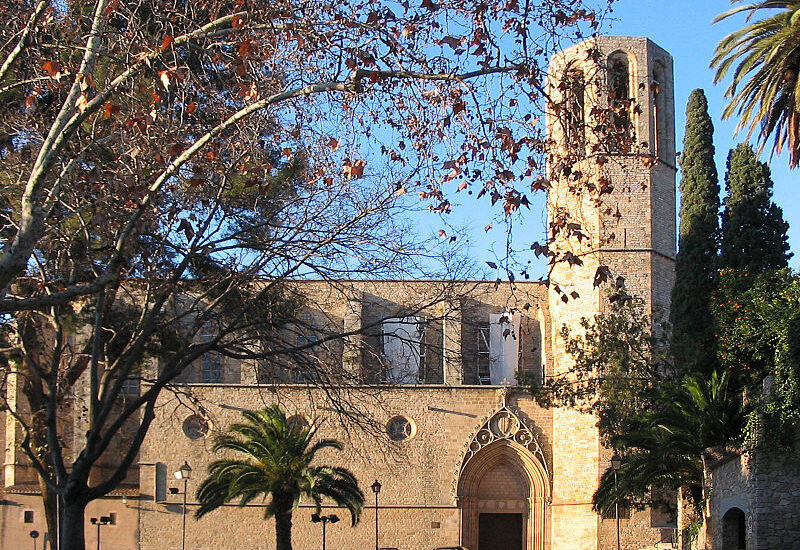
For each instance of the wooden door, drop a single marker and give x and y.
(500, 532)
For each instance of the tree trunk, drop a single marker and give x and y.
(34, 392)
(50, 500)
(283, 531)
(72, 526)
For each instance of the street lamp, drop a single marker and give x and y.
(184, 473)
(316, 518)
(616, 464)
(101, 521)
(376, 488)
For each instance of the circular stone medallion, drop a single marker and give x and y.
(400, 428)
(195, 427)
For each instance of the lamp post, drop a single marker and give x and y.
(101, 521)
(616, 464)
(316, 518)
(184, 473)
(376, 488)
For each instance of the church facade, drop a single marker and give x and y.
(463, 453)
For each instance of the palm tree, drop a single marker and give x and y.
(764, 89)
(278, 461)
(664, 448)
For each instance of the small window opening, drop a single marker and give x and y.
(211, 369)
(620, 121)
(130, 387)
(659, 111)
(423, 354)
(573, 90)
(482, 357)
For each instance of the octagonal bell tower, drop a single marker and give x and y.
(611, 213)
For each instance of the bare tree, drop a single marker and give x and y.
(169, 167)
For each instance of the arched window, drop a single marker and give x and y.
(619, 77)
(659, 110)
(620, 122)
(573, 90)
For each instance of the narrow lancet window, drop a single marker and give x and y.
(573, 91)
(620, 121)
(619, 77)
(659, 112)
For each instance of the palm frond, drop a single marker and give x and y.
(277, 463)
(664, 447)
(763, 62)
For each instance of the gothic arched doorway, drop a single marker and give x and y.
(503, 488)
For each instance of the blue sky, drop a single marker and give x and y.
(684, 28)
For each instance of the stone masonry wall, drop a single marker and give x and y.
(419, 476)
(122, 535)
(766, 487)
(628, 228)
(775, 495)
(730, 488)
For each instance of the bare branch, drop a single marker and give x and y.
(23, 39)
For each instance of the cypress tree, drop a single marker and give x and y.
(753, 230)
(696, 263)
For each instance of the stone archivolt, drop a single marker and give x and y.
(504, 425)
(503, 448)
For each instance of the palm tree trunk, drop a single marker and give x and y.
(283, 504)
(283, 530)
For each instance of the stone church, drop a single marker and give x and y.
(466, 456)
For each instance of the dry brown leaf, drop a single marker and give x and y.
(354, 170)
(334, 144)
(166, 43)
(82, 102)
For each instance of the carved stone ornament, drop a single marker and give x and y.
(503, 425)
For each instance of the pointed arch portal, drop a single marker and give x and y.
(503, 487)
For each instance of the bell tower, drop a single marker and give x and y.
(611, 214)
